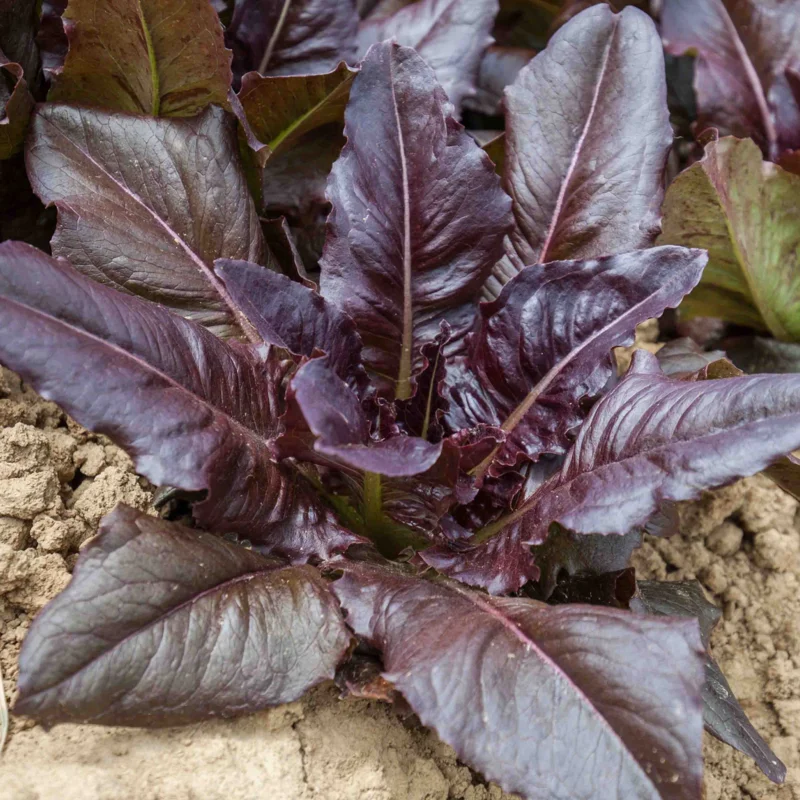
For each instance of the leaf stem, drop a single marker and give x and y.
(426, 422)
(155, 80)
(373, 503)
(274, 38)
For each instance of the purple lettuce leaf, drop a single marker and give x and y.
(500, 566)
(450, 35)
(743, 50)
(294, 317)
(493, 676)
(132, 56)
(545, 344)
(499, 68)
(291, 38)
(683, 357)
(418, 217)
(193, 412)
(653, 440)
(51, 38)
(19, 21)
(280, 241)
(587, 138)
(754, 354)
(16, 105)
(420, 502)
(334, 415)
(279, 111)
(421, 414)
(163, 625)
(567, 554)
(722, 714)
(612, 589)
(146, 205)
(293, 186)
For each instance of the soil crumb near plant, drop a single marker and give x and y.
(57, 480)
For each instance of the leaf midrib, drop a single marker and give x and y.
(249, 433)
(227, 583)
(555, 485)
(403, 385)
(155, 80)
(273, 40)
(521, 410)
(562, 192)
(242, 321)
(486, 607)
(752, 78)
(334, 94)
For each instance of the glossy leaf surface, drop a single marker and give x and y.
(450, 35)
(292, 316)
(291, 37)
(496, 677)
(653, 439)
(587, 136)
(418, 217)
(744, 212)
(163, 625)
(545, 344)
(157, 57)
(198, 413)
(146, 205)
(745, 48)
(333, 413)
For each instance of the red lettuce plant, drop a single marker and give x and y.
(384, 467)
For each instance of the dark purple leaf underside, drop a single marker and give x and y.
(146, 205)
(162, 625)
(587, 137)
(18, 22)
(545, 344)
(194, 412)
(291, 37)
(451, 35)
(722, 714)
(51, 38)
(553, 703)
(418, 217)
(287, 314)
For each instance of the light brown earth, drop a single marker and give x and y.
(57, 480)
